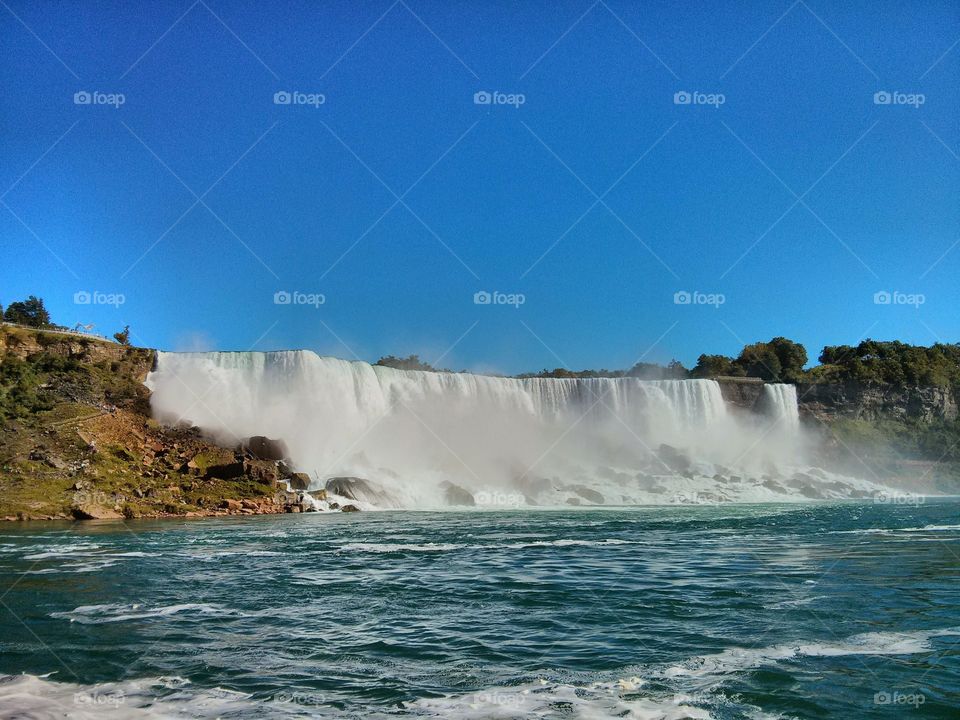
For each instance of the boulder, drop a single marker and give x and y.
(91, 511)
(349, 508)
(264, 448)
(588, 494)
(360, 489)
(230, 504)
(299, 481)
(456, 495)
(226, 471)
(262, 471)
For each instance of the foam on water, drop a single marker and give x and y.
(688, 690)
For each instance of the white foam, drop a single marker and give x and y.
(99, 614)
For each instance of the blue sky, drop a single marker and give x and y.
(783, 189)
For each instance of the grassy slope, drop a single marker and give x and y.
(75, 431)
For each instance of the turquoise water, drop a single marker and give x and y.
(799, 611)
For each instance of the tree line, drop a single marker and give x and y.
(33, 313)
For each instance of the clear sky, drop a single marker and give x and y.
(784, 188)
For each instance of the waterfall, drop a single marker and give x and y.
(779, 402)
(536, 440)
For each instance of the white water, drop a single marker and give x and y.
(780, 403)
(505, 441)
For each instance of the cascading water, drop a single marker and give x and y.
(780, 403)
(414, 436)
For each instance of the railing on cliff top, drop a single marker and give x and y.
(60, 331)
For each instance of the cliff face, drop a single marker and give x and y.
(77, 440)
(741, 392)
(854, 401)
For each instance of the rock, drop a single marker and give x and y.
(226, 471)
(349, 508)
(588, 494)
(262, 471)
(284, 470)
(264, 448)
(456, 495)
(674, 458)
(299, 481)
(230, 504)
(360, 489)
(248, 504)
(91, 511)
(318, 494)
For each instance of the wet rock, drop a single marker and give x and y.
(588, 494)
(674, 458)
(456, 495)
(262, 471)
(360, 489)
(230, 504)
(264, 448)
(349, 508)
(299, 481)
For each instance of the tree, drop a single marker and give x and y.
(760, 360)
(792, 357)
(29, 312)
(411, 362)
(709, 366)
(123, 337)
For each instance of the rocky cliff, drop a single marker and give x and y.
(77, 441)
(829, 402)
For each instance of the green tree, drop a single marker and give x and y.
(760, 360)
(709, 366)
(123, 337)
(792, 357)
(29, 312)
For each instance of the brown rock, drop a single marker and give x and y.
(349, 508)
(230, 504)
(299, 481)
(90, 511)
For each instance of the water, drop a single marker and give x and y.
(543, 442)
(771, 611)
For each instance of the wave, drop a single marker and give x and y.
(687, 690)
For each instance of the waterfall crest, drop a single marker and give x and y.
(416, 435)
